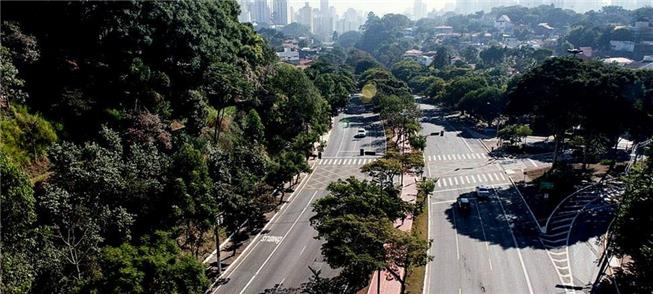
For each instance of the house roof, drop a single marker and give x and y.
(503, 18)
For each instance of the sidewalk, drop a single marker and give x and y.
(388, 283)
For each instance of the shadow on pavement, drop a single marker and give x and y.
(485, 221)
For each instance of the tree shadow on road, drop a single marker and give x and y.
(485, 221)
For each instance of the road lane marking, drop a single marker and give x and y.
(279, 244)
(473, 179)
(455, 180)
(302, 251)
(484, 178)
(514, 241)
(252, 245)
(490, 262)
(479, 178)
(455, 227)
(439, 184)
(443, 202)
(467, 179)
(450, 182)
(502, 177)
(439, 158)
(480, 218)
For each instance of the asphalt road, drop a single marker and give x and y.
(491, 248)
(278, 259)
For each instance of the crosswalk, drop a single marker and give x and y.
(465, 180)
(345, 161)
(464, 156)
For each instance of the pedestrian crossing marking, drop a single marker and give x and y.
(344, 161)
(465, 156)
(463, 180)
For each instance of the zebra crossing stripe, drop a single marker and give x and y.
(473, 179)
(439, 183)
(444, 182)
(450, 182)
(467, 179)
(439, 158)
(484, 179)
(502, 177)
(455, 181)
(483, 155)
(497, 177)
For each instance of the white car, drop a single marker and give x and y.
(483, 192)
(360, 133)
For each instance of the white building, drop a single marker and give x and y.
(351, 21)
(280, 12)
(419, 9)
(244, 15)
(261, 11)
(289, 55)
(305, 16)
(503, 24)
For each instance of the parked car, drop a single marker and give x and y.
(361, 133)
(484, 192)
(464, 204)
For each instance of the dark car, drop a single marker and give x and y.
(464, 204)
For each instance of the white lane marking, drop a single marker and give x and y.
(427, 285)
(450, 182)
(302, 251)
(252, 245)
(444, 182)
(490, 262)
(439, 158)
(466, 144)
(480, 218)
(455, 180)
(484, 178)
(502, 177)
(477, 156)
(532, 162)
(496, 177)
(279, 245)
(479, 178)
(467, 179)
(473, 179)
(453, 212)
(439, 184)
(443, 202)
(514, 241)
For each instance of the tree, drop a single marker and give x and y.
(485, 104)
(191, 188)
(24, 136)
(514, 133)
(18, 217)
(156, 266)
(455, 90)
(349, 39)
(442, 57)
(470, 54)
(407, 69)
(407, 251)
(631, 231)
(383, 170)
(492, 55)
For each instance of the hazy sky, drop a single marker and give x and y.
(378, 6)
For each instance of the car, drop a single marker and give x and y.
(360, 133)
(484, 192)
(464, 204)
